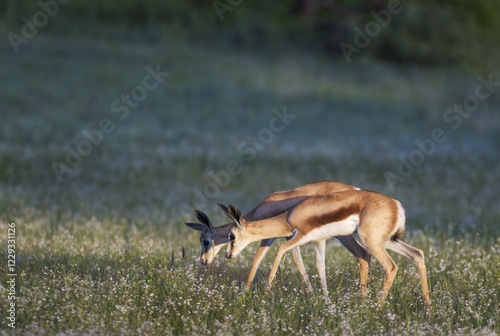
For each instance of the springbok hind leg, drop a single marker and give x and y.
(389, 266)
(363, 257)
(417, 256)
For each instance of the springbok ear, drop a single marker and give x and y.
(197, 226)
(231, 214)
(202, 217)
(235, 213)
(224, 209)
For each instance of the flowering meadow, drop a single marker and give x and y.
(106, 148)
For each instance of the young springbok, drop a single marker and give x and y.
(378, 219)
(213, 238)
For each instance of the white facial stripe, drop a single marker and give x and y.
(228, 249)
(238, 246)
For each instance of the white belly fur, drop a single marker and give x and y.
(343, 228)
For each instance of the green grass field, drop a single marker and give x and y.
(100, 241)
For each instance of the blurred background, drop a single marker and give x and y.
(144, 110)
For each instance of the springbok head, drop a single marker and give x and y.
(206, 237)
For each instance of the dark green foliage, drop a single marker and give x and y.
(428, 32)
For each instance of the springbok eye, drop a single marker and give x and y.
(232, 237)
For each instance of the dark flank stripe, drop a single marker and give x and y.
(334, 216)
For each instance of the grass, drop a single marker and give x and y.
(105, 251)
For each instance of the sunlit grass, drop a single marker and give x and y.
(122, 286)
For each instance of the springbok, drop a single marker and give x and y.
(213, 238)
(379, 221)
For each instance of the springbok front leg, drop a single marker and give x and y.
(257, 259)
(320, 265)
(294, 242)
(259, 256)
(297, 259)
